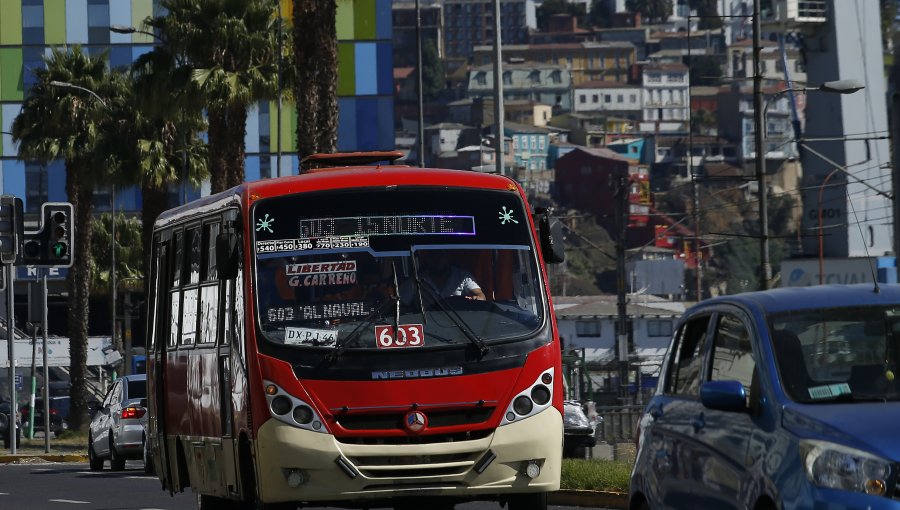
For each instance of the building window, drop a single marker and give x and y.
(533, 142)
(675, 78)
(541, 143)
(595, 98)
(657, 327)
(607, 98)
(582, 98)
(556, 77)
(620, 98)
(535, 76)
(654, 78)
(481, 78)
(633, 98)
(507, 78)
(587, 328)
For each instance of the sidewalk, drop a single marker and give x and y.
(33, 449)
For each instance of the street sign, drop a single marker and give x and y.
(35, 273)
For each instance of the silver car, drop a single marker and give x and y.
(117, 431)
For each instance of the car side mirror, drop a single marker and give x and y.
(724, 395)
(143, 402)
(92, 406)
(551, 236)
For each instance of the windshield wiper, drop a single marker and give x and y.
(341, 346)
(451, 313)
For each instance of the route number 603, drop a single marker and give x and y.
(408, 335)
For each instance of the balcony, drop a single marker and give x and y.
(795, 12)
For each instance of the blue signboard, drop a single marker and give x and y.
(32, 273)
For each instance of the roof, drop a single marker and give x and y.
(525, 128)
(819, 297)
(559, 46)
(401, 73)
(609, 308)
(602, 152)
(602, 84)
(672, 66)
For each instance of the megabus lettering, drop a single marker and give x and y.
(417, 373)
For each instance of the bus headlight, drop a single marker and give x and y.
(532, 400)
(291, 410)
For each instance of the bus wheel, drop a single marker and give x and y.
(536, 501)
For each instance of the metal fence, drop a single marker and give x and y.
(619, 423)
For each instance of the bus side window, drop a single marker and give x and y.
(175, 265)
(209, 288)
(191, 292)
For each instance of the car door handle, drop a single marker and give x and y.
(699, 422)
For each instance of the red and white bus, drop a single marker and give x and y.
(309, 345)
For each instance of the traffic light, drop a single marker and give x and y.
(11, 221)
(51, 244)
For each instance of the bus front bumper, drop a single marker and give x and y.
(298, 465)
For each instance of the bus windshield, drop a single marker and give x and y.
(397, 268)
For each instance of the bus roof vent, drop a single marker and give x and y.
(343, 159)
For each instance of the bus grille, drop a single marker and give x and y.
(406, 439)
(414, 466)
(394, 421)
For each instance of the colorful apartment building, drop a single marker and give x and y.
(30, 28)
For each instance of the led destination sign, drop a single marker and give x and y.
(388, 226)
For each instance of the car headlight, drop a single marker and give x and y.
(575, 420)
(839, 467)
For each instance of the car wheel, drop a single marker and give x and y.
(148, 460)
(95, 462)
(535, 501)
(116, 461)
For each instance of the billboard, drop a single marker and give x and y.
(843, 271)
(57, 352)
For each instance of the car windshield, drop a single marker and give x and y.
(406, 268)
(839, 354)
(137, 389)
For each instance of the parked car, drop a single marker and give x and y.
(116, 432)
(578, 433)
(752, 412)
(5, 421)
(59, 414)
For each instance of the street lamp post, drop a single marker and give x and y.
(760, 115)
(112, 272)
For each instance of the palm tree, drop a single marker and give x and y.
(64, 122)
(315, 53)
(161, 146)
(231, 48)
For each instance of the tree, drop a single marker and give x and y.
(600, 14)
(652, 10)
(550, 7)
(68, 123)
(707, 12)
(231, 47)
(315, 64)
(162, 145)
(432, 71)
(705, 70)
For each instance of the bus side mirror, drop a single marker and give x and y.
(227, 258)
(551, 237)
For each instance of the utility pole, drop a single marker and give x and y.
(765, 268)
(498, 90)
(421, 145)
(621, 193)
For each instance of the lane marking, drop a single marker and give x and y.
(72, 501)
(141, 478)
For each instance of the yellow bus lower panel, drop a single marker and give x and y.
(439, 469)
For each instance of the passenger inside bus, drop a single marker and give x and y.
(439, 273)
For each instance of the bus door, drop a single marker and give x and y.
(160, 322)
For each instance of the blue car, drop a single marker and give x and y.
(782, 399)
